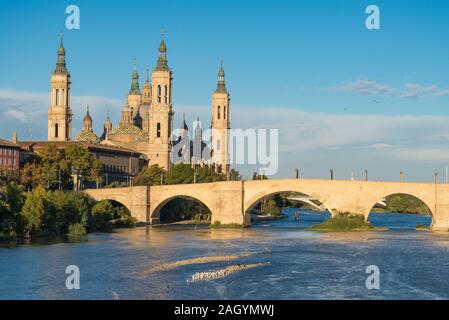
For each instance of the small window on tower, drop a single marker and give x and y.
(218, 113)
(159, 93)
(224, 112)
(166, 94)
(158, 130)
(218, 145)
(62, 96)
(57, 97)
(56, 130)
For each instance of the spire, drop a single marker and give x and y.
(162, 55)
(221, 86)
(135, 90)
(87, 121)
(147, 77)
(61, 67)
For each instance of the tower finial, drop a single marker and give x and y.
(60, 37)
(147, 79)
(221, 86)
(87, 108)
(135, 63)
(163, 33)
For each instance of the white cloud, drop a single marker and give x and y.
(365, 87)
(31, 109)
(409, 90)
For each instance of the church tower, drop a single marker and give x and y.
(134, 95)
(60, 112)
(161, 111)
(146, 103)
(220, 125)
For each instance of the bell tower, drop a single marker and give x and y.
(221, 125)
(161, 110)
(60, 112)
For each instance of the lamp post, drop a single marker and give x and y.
(332, 174)
(297, 173)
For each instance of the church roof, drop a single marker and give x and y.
(87, 136)
(129, 129)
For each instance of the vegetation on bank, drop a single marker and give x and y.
(53, 213)
(219, 225)
(344, 222)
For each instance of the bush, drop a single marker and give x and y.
(76, 229)
(102, 213)
(344, 222)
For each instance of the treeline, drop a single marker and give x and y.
(53, 213)
(181, 173)
(52, 167)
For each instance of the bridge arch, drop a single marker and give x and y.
(260, 196)
(156, 212)
(420, 198)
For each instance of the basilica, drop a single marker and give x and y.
(146, 124)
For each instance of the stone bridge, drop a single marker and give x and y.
(232, 201)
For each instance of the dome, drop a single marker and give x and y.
(87, 136)
(129, 129)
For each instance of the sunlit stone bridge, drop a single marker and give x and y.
(232, 201)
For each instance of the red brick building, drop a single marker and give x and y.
(9, 158)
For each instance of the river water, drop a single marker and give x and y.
(302, 264)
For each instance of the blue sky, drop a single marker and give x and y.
(356, 98)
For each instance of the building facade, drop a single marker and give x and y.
(9, 158)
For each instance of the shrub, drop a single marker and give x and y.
(102, 212)
(76, 229)
(344, 222)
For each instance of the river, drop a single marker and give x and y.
(296, 263)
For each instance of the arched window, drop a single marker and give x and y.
(224, 112)
(218, 113)
(56, 130)
(218, 145)
(57, 97)
(166, 94)
(158, 93)
(62, 97)
(158, 130)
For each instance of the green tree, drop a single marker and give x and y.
(81, 160)
(33, 211)
(234, 175)
(102, 213)
(181, 173)
(271, 209)
(150, 176)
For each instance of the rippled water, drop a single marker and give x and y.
(303, 264)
